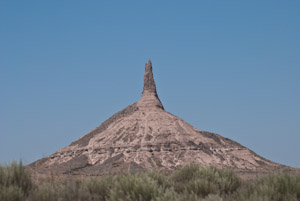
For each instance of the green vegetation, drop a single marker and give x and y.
(15, 182)
(190, 183)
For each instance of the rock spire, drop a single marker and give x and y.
(144, 136)
(149, 97)
(149, 83)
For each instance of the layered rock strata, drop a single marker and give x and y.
(144, 136)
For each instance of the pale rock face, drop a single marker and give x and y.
(149, 97)
(144, 136)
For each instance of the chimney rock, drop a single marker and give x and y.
(149, 96)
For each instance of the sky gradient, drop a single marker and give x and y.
(228, 67)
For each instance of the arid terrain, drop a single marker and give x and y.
(145, 136)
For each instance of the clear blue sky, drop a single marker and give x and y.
(229, 67)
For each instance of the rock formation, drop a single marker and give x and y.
(144, 136)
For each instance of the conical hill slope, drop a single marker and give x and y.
(143, 136)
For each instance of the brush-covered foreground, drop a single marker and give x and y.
(188, 183)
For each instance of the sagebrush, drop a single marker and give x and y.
(190, 183)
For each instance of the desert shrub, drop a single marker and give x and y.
(135, 187)
(74, 190)
(185, 174)
(170, 194)
(213, 197)
(67, 190)
(205, 181)
(99, 188)
(190, 183)
(44, 192)
(277, 187)
(14, 177)
(11, 193)
(161, 179)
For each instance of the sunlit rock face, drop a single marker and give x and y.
(145, 136)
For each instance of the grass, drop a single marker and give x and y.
(277, 187)
(190, 183)
(15, 182)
